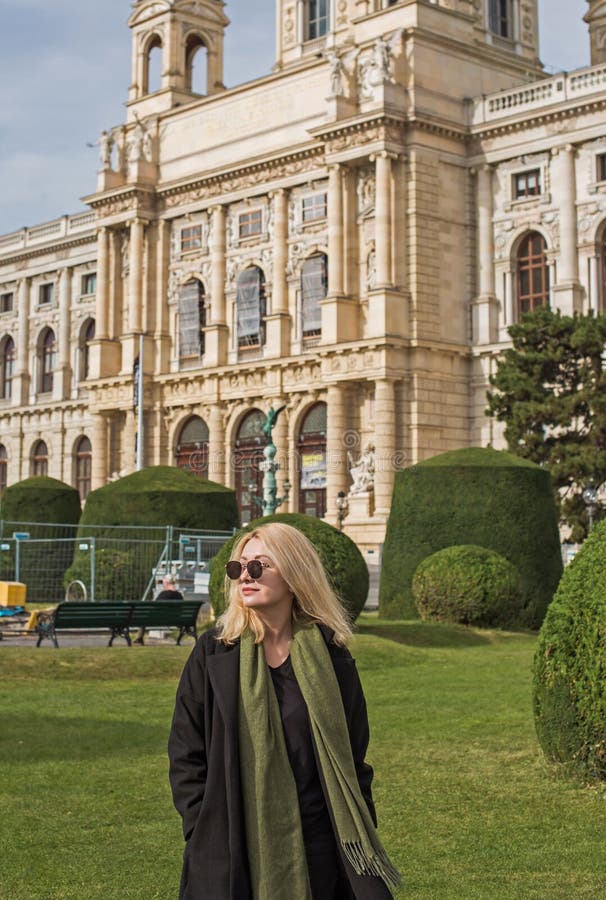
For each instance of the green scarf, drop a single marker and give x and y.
(274, 835)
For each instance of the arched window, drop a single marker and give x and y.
(248, 454)
(152, 76)
(192, 447)
(82, 463)
(39, 459)
(3, 467)
(196, 65)
(192, 319)
(500, 17)
(532, 273)
(317, 19)
(312, 454)
(250, 308)
(87, 334)
(47, 355)
(7, 367)
(314, 285)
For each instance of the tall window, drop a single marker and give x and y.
(248, 456)
(47, 358)
(39, 459)
(87, 334)
(500, 18)
(3, 467)
(317, 19)
(192, 447)
(88, 285)
(532, 273)
(196, 65)
(46, 294)
(153, 66)
(6, 302)
(250, 308)
(314, 285)
(192, 319)
(312, 454)
(7, 367)
(83, 460)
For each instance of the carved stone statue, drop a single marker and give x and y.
(362, 470)
(106, 143)
(337, 88)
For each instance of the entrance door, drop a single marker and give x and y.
(248, 454)
(312, 453)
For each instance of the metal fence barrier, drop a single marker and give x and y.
(104, 562)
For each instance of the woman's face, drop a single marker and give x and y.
(269, 593)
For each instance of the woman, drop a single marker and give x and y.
(268, 740)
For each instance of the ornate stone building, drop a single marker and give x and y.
(350, 236)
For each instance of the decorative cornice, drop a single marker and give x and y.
(530, 118)
(53, 247)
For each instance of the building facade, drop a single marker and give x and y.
(349, 236)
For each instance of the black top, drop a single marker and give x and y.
(169, 595)
(297, 734)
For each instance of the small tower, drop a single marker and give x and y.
(182, 32)
(596, 19)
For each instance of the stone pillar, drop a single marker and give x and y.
(23, 377)
(336, 468)
(135, 306)
(215, 353)
(385, 444)
(216, 446)
(62, 377)
(339, 313)
(278, 320)
(100, 446)
(162, 335)
(485, 308)
(383, 228)
(103, 281)
(567, 292)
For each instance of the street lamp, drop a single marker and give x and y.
(590, 499)
(342, 508)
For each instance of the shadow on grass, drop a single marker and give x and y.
(425, 634)
(34, 738)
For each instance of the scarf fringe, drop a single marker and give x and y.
(378, 864)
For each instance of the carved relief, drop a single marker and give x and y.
(366, 189)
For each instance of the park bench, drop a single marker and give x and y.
(120, 617)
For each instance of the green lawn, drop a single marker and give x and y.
(466, 804)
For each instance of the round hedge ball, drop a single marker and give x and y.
(569, 686)
(469, 585)
(342, 561)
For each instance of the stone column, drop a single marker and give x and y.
(336, 468)
(278, 320)
(20, 396)
(385, 444)
(100, 445)
(567, 292)
(383, 228)
(103, 280)
(162, 336)
(216, 445)
(485, 310)
(135, 307)
(335, 231)
(215, 353)
(62, 380)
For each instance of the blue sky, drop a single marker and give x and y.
(64, 76)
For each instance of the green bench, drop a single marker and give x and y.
(120, 617)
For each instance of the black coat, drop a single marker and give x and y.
(205, 770)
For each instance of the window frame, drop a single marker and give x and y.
(48, 359)
(318, 211)
(521, 184)
(248, 229)
(7, 367)
(530, 263)
(501, 19)
(3, 467)
(83, 466)
(46, 293)
(7, 301)
(190, 238)
(85, 282)
(39, 461)
(601, 167)
(317, 19)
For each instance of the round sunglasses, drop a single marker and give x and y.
(254, 567)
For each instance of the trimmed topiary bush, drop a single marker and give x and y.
(50, 503)
(163, 495)
(477, 496)
(469, 585)
(343, 562)
(569, 688)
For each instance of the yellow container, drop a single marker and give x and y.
(12, 593)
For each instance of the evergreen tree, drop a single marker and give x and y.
(550, 391)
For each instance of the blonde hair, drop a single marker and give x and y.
(300, 566)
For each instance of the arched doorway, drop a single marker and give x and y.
(248, 454)
(192, 447)
(312, 454)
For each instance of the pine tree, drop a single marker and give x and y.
(550, 391)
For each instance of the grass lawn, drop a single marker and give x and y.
(467, 807)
